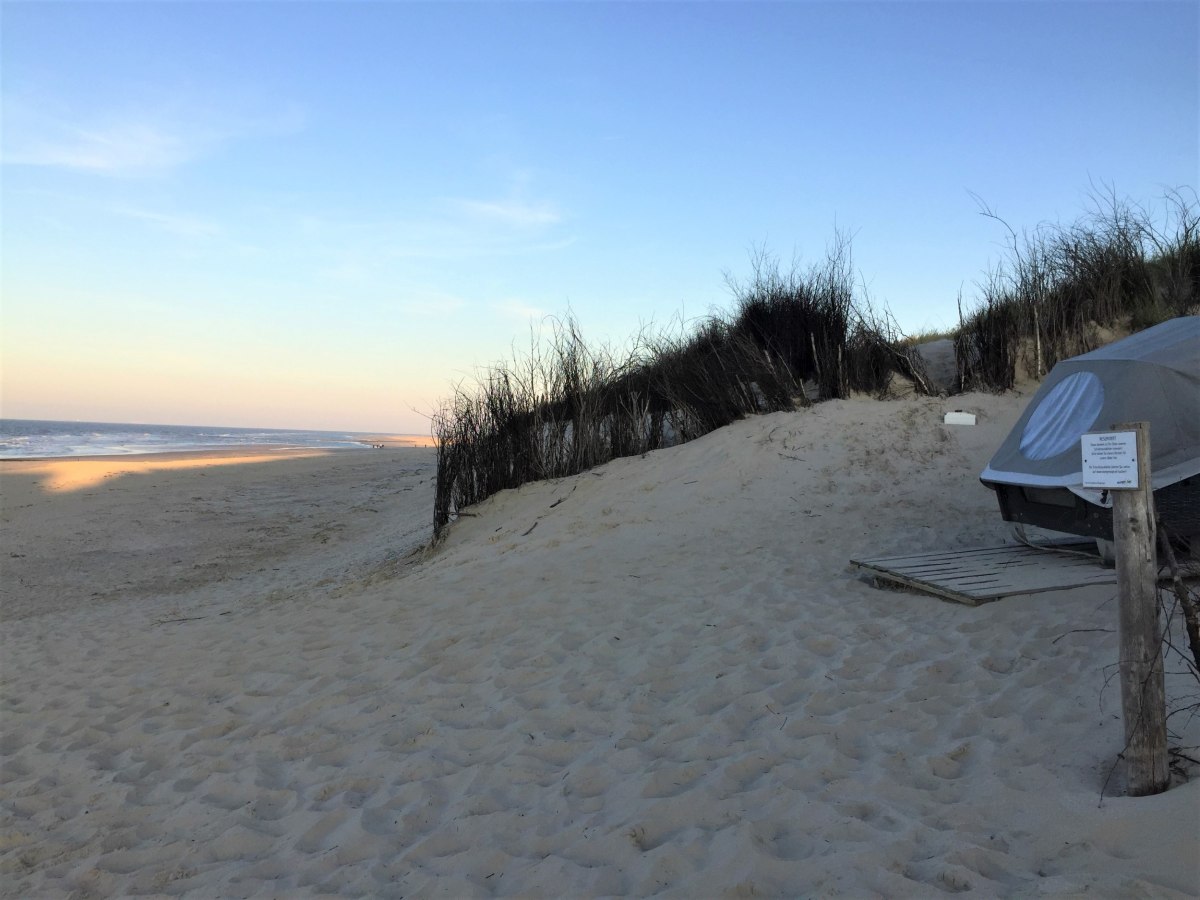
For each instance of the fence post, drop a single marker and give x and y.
(1143, 697)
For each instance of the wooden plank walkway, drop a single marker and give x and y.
(985, 574)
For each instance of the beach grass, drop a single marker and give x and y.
(799, 335)
(566, 405)
(1061, 290)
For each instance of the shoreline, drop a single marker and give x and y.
(368, 442)
(67, 473)
(248, 451)
(394, 441)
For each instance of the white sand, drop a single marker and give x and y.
(671, 684)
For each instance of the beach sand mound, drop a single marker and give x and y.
(655, 677)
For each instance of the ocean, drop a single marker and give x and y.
(29, 438)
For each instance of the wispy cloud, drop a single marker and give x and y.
(149, 140)
(431, 304)
(516, 213)
(111, 148)
(345, 248)
(183, 225)
(347, 271)
(518, 310)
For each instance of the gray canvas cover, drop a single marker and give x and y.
(1151, 376)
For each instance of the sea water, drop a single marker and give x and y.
(28, 438)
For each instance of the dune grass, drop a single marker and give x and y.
(1060, 287)
(566, 405)
(799, 336)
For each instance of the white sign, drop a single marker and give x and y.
(1110, 460)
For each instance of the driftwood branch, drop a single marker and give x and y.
(1187, 603)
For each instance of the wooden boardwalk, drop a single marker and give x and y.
(990, 573)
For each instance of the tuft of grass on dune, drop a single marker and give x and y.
(1061, 289)
(566, 406)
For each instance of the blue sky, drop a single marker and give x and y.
(323, 215)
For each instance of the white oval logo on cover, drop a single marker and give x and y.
(1064, 415)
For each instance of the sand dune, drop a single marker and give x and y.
(656, 677)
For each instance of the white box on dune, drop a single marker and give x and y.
(958, 417)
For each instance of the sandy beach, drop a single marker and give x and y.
(243, 678)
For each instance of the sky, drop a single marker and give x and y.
(327, 215)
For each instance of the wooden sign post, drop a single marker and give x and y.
(1143, 697)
